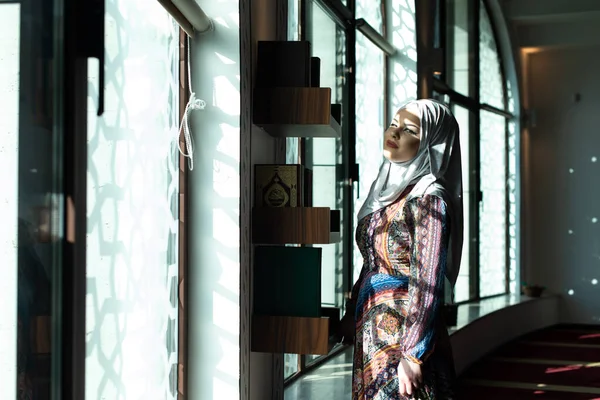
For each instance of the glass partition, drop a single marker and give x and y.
(31, 200)
(491, 80)
(458, 51)
(492, 219)
(370, 125)
(325, 155)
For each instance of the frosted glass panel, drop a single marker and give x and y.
(370, 11)
(492, 229)
(293, 19)
(402, 73)
(491, 82)
(369, 124)
(132, 208)
(458, 45)
(290, 366)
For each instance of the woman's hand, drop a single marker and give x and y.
(409, 377)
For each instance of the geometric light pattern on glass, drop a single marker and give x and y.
(492, 220)
(290, 365)
(512, 188)
(370, 88)
(370, 11)
(403, 65)
(132, 208)
(491, 82)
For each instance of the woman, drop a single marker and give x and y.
(410, 235)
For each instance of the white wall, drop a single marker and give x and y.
(563, 236)
(214, 234)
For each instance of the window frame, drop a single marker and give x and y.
(474, 104)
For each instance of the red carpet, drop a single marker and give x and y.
(486, 393)
(574, 336)
(561, 362)
(523, 350)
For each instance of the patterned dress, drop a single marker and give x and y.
(398, 299)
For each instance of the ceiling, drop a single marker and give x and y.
(553, 23)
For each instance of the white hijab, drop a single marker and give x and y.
(435, 170)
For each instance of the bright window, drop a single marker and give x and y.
(370, 89)
(133, 175)
(493, 166)
(492, 219)
(491, 81)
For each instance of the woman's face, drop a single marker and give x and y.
(402, 139)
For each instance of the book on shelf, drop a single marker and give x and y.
(287, 281)
(282, 185)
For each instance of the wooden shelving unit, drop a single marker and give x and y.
(295, 112)
(292, 334)
(292, 225)
(288, 102)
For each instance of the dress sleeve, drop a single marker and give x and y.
(427, 219)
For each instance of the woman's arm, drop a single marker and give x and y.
(428, 218)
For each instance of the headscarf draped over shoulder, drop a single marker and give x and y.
(435, 170)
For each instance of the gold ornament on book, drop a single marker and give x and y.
(278, 185)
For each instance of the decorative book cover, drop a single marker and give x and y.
(287, 281)
(278, 185)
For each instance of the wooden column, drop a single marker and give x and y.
(183, 254)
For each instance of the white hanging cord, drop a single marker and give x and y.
(192, 105)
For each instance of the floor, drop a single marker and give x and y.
(561, 362)
(330, 381)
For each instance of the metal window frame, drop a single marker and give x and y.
(474, 104)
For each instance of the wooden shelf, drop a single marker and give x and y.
(295, 112)
(294, 335)
(333, 130)
(291, 225)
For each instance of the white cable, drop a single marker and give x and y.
(192, 105)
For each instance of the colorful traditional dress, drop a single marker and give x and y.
(399, 296)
